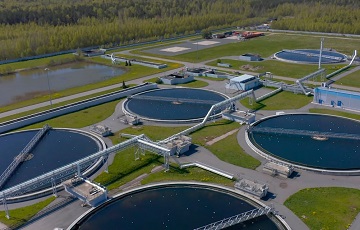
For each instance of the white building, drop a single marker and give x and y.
(244, 82)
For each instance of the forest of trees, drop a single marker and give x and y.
(32, 27)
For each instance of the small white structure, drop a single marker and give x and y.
(101, 129)
(243, 83)
(89, 192)
(176, 78)
(277, 169)
(179, 145)
(250, 57)
(252, 187)
(242, 117)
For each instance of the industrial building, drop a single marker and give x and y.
(176, 78)
(244, 82)
(337, 98)
(250, 57)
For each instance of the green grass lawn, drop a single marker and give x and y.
(125, 168)
(278, 68)
(42, 62)
(352, 79)
(155, 133)
(81, 118)
(265, 46)
(335, 112)
(187, 174)
(215, 79)
(22, 215)
(325, 208)
(227, 149)
(279, 101)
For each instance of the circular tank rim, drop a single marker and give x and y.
(130, 113)
(278, 219)
(307, 62)
(46, 191)
(299, 166)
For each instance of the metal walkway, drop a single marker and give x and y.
(228, 103)
(23, 155)
(351, 136)
(175, 99)
(227, 222)
(76, 167)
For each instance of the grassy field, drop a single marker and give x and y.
(125, 168)
(352, 79)
(36, 63)
(265, 46)
(187, 174)
(227, 149)
(279, 101)
(335, 112)
(81, 118)
(22, 215)
(278, 68)
(325, 208)
(155, 133)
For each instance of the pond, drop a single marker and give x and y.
(33, 83)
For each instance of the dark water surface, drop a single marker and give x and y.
(171, 110)
(57, 148)
(173, 208)
(309, 58)
(334, 153)
(28, 84)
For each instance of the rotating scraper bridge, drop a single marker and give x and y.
(57, 175)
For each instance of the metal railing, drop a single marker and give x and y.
(74, 167)
(315, 54)
(311, 133)
(22, 155)
(230, 221)
(174, 99)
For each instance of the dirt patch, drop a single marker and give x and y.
(251, 68)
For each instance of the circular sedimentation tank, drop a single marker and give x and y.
(174, 206)
(172, 105)
(310, 56)
(316, 142)
(55, 149)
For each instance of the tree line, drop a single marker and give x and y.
(33, 27)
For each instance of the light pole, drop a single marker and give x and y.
(48, 81)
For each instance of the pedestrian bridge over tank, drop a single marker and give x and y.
(242, 217)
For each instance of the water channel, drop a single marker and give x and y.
(28, 84)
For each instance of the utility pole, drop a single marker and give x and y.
(321, 48)
(48, 81)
